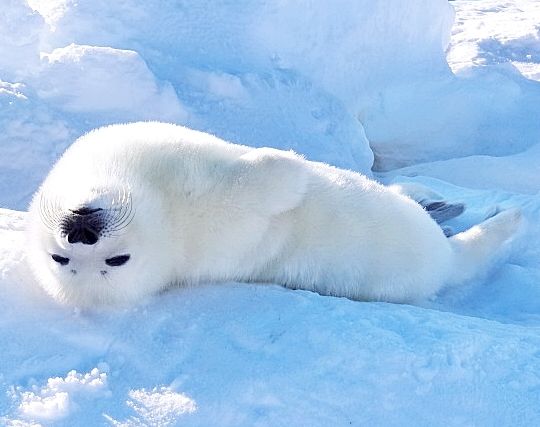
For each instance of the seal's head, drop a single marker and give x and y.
(94, 250)
(95, 236)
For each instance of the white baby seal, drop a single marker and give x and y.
(134, 208)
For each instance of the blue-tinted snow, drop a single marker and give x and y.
(336, 83)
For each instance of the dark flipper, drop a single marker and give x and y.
(431, 201)
(448, 231)
(442, 211)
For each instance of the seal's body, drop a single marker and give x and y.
(131, 209)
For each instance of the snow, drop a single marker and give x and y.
(54, 401)
(482, 36)
(397, 89)
(90, 79)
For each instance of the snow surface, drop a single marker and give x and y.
(386, 87)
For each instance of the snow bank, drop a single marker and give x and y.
(20, 29)
(223, 68)
(492, 32)
(331, 83)
(328, 73)
(516, 173)
(33, 136)
(481, 112)
(103, 80)
(487, 113)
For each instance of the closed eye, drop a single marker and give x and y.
(60, 259)
(117, 260)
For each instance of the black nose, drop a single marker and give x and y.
(83, 225)
(85, 235)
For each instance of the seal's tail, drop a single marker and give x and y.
(477, 246)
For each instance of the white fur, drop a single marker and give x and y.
(208, 210)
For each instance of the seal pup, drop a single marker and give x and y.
(132, 209)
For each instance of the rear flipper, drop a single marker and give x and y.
(448, 231)
(476, 247)
(442, 211)
(439, 209)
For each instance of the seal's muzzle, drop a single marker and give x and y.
(83, 225)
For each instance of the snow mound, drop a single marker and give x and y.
(33, 136)
(493, 32)
(58, 398)
(117, 82)
(159, 407)
(20, 29)
(517, 173)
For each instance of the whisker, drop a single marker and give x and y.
(125, 217)
(57, 212)
(122, 227)
(47, 213)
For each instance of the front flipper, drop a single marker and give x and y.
(270, 181)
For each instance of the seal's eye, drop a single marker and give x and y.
(60, 259)
(117, 260)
